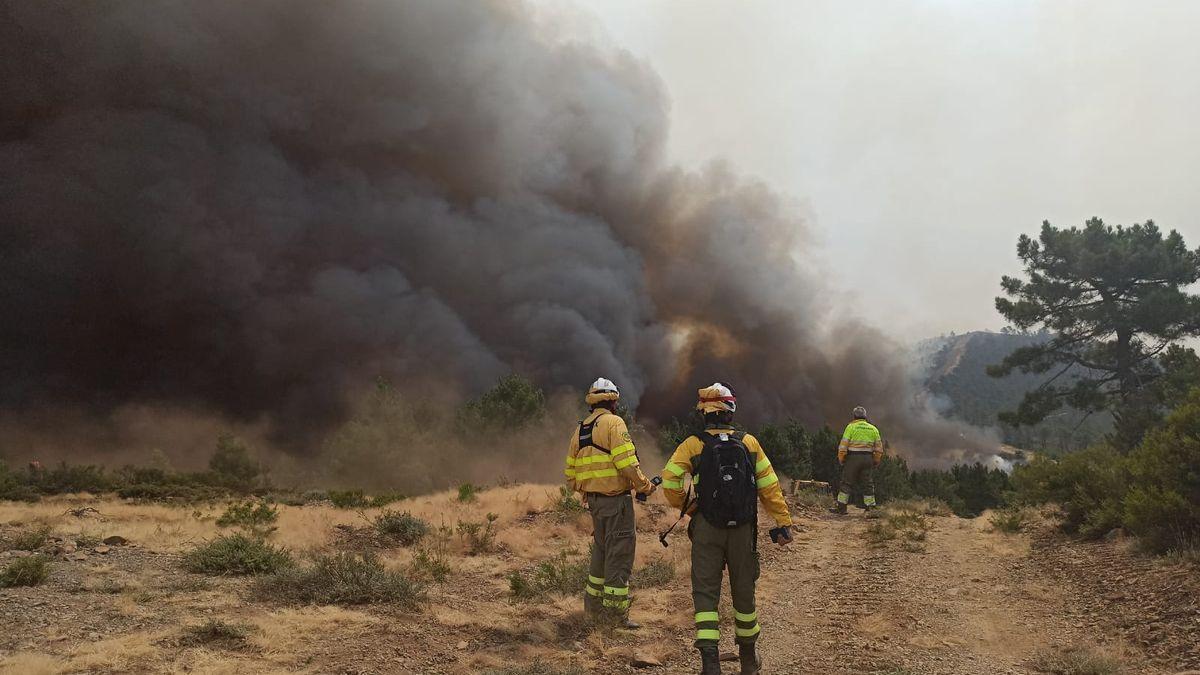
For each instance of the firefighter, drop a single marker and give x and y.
(603, 465)
(729, 475)
(860, 451)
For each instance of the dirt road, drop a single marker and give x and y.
(949, 598)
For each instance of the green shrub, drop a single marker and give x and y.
(1089, 485)
(402, 528)
(432, 562)
(513, 403)
(341, 579)
(232, 465)
(248, 514)
(14, 487)
(348, 499)
(66, 478)
(215, 633)
(479, 537)
(468, 493)
(565, 574)
(658, 572)
(1010, 520)
(1163, 506)
(30, 540)
(381, 500)
(236, 554)
(567, 505)
(29, 571)
(181, 493)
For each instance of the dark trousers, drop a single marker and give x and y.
(614, 539)
(713, 550)
(858, 473)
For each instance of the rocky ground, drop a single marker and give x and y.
(952, 598)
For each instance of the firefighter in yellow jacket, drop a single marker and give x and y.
(603, 464)
(860, 451)
(729, 475)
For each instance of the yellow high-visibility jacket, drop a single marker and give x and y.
(608, 463)
(861, 436)
(769, 492)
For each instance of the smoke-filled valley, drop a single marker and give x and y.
(246, 213)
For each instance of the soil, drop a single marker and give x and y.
(965, 601)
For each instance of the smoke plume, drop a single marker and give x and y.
(254, 208)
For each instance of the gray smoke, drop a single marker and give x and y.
(255, 208)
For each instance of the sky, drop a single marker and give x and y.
(922, 138)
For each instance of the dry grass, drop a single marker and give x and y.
(1076, 660)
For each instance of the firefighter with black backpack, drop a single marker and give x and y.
(729, 475)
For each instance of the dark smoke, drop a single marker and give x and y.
(256, 207)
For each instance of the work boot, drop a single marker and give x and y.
(751, 663)
(630, 624)
(839, 509)
(710, 661)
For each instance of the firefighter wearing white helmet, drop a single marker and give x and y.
(730, 474)
(603, 465)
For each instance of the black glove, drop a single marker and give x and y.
(780, 535)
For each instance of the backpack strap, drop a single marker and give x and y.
(585, 436)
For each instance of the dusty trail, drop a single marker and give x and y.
(972, 603)
(962, 601)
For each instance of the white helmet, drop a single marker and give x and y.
(716, 398)
(602, 390)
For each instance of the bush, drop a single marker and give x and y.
(248, 514)
(1162, 507)
(432, 560)
(232, 466)
(402, 528)
(381, 500)
(565, 574)
(1089, 485)
(567, 505)
(30, 540)
(468, 493)
(215, 633)
(348, 499)
(1009, 521)
(28, 571)
(341, 579)
(14, 488)
(513, 403)
(180, 492)
(658, 572)
(892, 481)
(479, 537)
(237, 554)
(65, 478)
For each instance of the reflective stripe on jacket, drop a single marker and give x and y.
(860, 436)
(680, 467)
(592, 469)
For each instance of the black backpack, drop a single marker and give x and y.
(727, 490)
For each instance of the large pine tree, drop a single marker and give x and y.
(1113, 299)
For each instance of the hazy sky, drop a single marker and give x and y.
(924, 137)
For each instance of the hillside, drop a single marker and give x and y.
(956, 373)
(913, 593)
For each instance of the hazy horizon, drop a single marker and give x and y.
(922, 138)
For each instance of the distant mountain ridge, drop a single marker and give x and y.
(955, 368)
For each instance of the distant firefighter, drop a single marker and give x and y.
(603, 465)
(860, 451)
